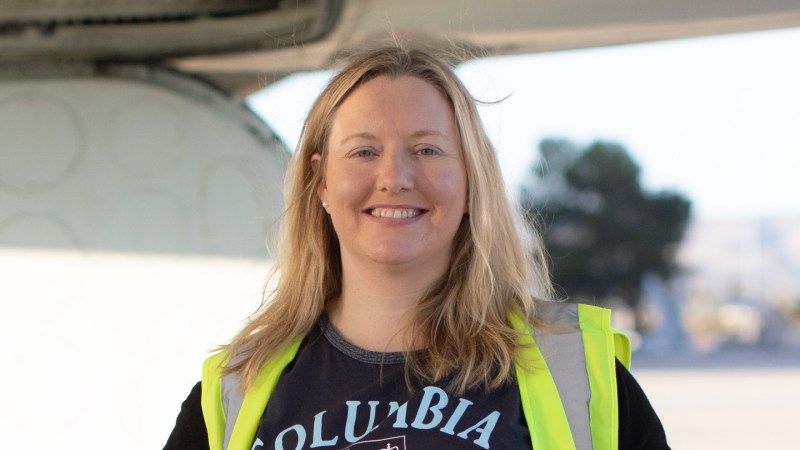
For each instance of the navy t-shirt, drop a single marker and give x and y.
(338, 396)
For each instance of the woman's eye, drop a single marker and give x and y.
(364, 152)
(427, 151)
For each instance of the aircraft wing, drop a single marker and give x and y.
(244, 44)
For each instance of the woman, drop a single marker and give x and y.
(402, 317)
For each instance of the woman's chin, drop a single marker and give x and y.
(392, 259)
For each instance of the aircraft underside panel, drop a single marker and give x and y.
(135, 210)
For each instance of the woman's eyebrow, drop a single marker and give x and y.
(427, 132)
(362, 135)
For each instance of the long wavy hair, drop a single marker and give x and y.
(496, 267)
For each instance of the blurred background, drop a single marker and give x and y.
(142, 148)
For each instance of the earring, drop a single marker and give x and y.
(325, 206)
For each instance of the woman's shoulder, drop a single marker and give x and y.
(190, 427)
(639, 425)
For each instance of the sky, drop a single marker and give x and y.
(717, 118)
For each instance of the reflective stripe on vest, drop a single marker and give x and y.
(570, 368)
(573, 366)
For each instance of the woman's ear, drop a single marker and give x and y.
(315, 159)
(316, 162)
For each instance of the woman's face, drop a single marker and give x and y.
(394, 181)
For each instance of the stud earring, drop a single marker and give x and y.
(325, 206)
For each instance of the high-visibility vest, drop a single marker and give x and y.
(570, 368)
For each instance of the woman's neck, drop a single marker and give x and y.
(377, 307)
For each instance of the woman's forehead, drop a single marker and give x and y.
(384, 104)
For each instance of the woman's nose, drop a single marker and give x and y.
(395, 172)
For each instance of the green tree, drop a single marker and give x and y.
(602, 230)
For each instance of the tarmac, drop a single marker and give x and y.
(738, 398)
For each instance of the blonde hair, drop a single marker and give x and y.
(464, 316)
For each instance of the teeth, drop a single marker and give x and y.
(395, 213)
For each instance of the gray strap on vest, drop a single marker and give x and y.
(231, 404)
(564, 353)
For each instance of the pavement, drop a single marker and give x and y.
(739, 398)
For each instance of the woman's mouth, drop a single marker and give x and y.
(395, 213)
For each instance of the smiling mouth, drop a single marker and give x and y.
(393, 213)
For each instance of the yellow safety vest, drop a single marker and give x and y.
(582, 358)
